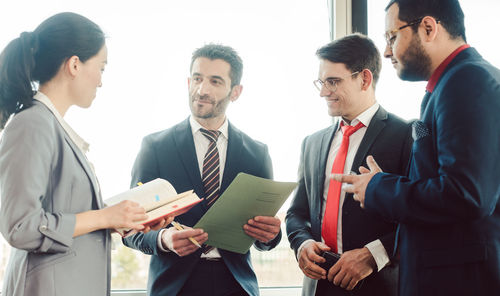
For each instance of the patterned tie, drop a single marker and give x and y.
(330, 219)
(210, 174)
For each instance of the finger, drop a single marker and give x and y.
(345, 281)
(201, 239)
(263, 237)
(364, 170)
(135, 226)
(323, 246)
(372, 164)
(185, 233)
(139, 217)
(169, 220)
(184, 251)
(334, 271)
(348, 187)
(180, 244)
(311, 274)
(352, 284)
(349, 179)
(337, 279)
(162, 223)
(267, 220)
(263, 230)
(261, 227)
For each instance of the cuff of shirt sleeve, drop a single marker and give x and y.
(379, 253)
(168, 240)
(301, 246)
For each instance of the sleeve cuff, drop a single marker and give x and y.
(168, 240)
(379, 253)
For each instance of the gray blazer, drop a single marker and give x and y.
(44, 181)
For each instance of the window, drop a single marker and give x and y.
(145, 90)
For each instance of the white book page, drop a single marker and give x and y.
(150, 195)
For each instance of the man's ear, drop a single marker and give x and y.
(236, 92)
(367, 77)
(430, 26)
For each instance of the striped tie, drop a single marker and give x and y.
(210, 174)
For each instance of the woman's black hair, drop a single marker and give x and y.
(36, 57)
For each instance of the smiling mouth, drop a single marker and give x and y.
(203, 101)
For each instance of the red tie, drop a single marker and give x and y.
(330, 219)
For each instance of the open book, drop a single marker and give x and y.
(159, 199)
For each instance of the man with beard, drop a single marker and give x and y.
(204, 152)
(322, 217)
(448, 207)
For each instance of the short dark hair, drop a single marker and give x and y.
(218, 51)
(357, 52)
(37, 56)
(447, 12)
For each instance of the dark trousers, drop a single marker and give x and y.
(211, 278)
(326, 288)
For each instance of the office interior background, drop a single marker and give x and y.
(145, 87)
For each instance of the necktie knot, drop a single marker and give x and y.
(210, 134)
(348, 130)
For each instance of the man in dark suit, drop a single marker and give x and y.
(349, 70)
(448, 207)
(204, 153)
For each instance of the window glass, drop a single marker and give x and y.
(145, 90)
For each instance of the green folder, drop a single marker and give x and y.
(246, 197)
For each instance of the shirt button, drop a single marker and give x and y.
(43, 227)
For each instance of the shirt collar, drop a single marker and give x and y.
(195, 127)
(431, 84)
(365, 117)
(79, 141)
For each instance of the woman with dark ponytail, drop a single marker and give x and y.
(52, 212)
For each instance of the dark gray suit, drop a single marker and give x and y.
(388, 139)
(44, 181)
(171, 155)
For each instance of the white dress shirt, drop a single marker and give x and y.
(201, 144)
(375, 247)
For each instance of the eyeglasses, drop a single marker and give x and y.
(330, 83)
(390, 36)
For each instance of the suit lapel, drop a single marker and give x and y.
(185, 146)
(231, 167)
(88, 170)
(377, 124)
(326, 141)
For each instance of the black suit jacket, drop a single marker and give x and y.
(388, 139)
(171, 155)
(449, 206)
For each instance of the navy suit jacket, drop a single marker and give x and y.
(388, 139)
(171, 155)
(448, 207)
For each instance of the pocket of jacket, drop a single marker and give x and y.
(50, 260)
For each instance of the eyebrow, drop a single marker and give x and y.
(211, 77)
(333, 78)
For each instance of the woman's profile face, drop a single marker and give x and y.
(89, 78)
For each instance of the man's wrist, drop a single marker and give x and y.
(378, 254)
(163, 237)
